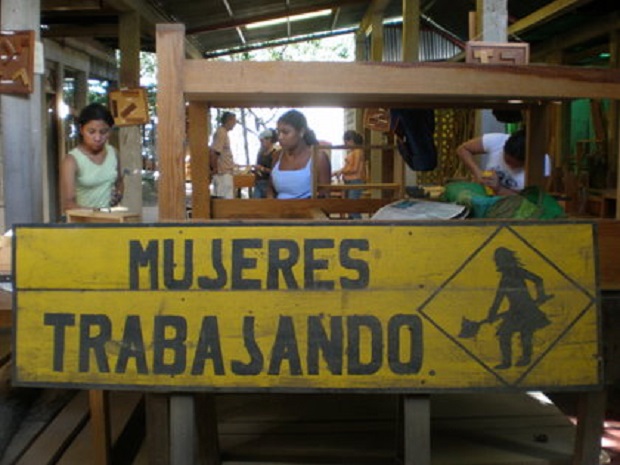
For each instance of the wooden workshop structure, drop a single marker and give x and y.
(202, 85)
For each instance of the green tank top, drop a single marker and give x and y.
(94, 183)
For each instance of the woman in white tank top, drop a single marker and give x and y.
(291, 177)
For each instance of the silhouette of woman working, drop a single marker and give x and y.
(523, 315)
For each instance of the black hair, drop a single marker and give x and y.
(508, 116)
(297, 120)
(354, 136)
(226, 116)
(94, 112)
(515, 145)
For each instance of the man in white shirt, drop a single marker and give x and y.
(504, 160)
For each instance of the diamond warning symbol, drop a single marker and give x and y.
(516, 311)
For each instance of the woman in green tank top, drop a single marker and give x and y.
(90, 173)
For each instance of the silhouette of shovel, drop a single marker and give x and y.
(470, 328)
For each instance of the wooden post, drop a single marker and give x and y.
(158, 429)
(198, 131)
(99, 402)
(23, 135)
(171, 109)
(411, 54)
(130, 141)
(417, 429)
(376, 54)
(537, 144)
(411, 31)
(590, 418)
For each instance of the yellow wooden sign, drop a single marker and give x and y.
(371, 307)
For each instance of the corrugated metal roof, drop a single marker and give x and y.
(221, 26)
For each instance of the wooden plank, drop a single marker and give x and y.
(401, 280)
(171, 109)
(99, 402)
(58, 435)
(294, 83)
(291, 209)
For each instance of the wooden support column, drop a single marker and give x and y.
(81, 90)
(411, 54)
(376, 54)
(99, 402)
(411, 31)
(537, 145)
(198, 133)
(590, 418)
(171, 109)
(23, 134)
(130, 140)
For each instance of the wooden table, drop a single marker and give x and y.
(88, 215)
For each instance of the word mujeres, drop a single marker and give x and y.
(317, 344)
(288, 264)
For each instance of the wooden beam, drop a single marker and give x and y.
(398, 84)
(171, 109)
(544, 15)
(95, 30)
(70, 5)
(377, 7)
(149, 19)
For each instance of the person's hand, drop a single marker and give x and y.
(490, 179)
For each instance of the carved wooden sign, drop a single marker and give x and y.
(399, 306)
(16, 61)
(129, 107)
(497, 53)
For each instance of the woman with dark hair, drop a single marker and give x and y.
(90, 173)
(291, 177)
(354, 169)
